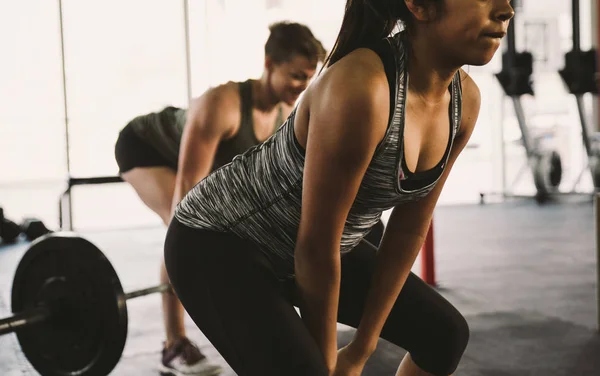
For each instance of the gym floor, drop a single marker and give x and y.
(524, 276)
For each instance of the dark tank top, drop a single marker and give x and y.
(245, 137)
(163, 130)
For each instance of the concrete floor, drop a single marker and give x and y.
(523, 275)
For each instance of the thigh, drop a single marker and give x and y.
(155, 186)
(231, 294)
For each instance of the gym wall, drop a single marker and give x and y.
(124, 58)
(121, 59)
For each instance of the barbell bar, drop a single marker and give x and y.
(22, 320)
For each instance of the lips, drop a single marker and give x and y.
(498, 34)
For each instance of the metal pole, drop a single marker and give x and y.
(151, 290)
(575, 25)
(595, 39)
(65, 108)
(585, 133)
(597, 46)
(511, 51)
(597, 210)
(22, 320)
(188, 57)
(511, 48)
(520, 113)
(64, 82)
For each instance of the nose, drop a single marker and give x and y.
(505, 12)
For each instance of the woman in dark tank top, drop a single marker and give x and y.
(163, 154)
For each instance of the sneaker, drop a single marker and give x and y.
(184, 358)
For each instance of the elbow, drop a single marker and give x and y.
(186, 180)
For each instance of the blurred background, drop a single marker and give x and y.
(123, 58)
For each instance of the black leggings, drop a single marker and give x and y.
(231, 292)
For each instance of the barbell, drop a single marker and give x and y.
(69, 308)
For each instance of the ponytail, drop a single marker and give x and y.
(365, 21)
(368, 21)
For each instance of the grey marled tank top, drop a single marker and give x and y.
(258, 196)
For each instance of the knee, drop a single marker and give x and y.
(455, 344)
(450, 336)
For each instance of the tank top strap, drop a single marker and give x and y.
(246, 120)
(279, 120)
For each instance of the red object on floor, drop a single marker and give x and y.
(428, 259)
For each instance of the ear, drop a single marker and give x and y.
(421, 10)
(269, 63)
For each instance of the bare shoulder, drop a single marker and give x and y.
(356, 85)
(346, 108)
(471, 102)
(359, 73)
(216, 107)
(221, 96)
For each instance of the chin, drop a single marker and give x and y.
(481, 59)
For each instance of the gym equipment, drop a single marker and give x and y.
(9, 230)
(70, 312)
(65, 202)
(33, 228)
(515, 79)
(579, 77)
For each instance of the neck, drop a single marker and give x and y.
(429, 75)
(263, 97)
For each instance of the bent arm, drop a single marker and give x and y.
(404, 237)
(343, 132)
(208, 120)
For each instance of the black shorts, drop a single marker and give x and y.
(132, 151)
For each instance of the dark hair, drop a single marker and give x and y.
(367, 21)
(288, 39)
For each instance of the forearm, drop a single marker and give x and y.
(393, 264)
(183, 184)
(318, 283)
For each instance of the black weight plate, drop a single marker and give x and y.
(9, 231)
(87, 331)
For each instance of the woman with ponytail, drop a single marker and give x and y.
(284, 224)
